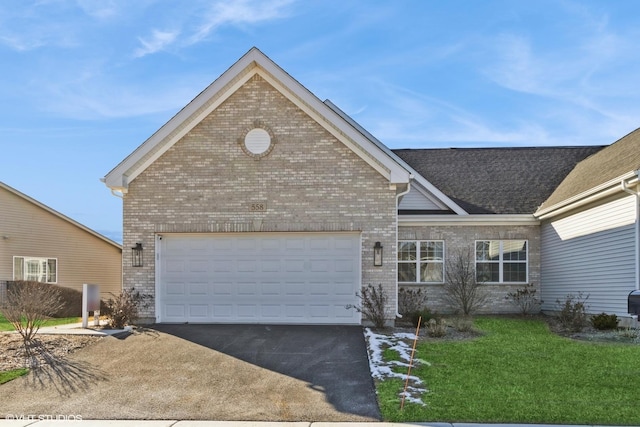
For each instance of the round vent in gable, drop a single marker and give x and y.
(257, 141)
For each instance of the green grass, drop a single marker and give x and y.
(519, 372)
(6, 326)
(10, 375)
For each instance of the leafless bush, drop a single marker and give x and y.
(463, 292)
(374, 300)
(411, 300)
(436, 328)
(122, 309)
(525, 299)
(28, 305)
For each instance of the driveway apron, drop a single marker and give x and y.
(332, 359)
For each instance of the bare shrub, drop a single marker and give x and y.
(123, 309)
(525, 299)
(463, 324)
(411, 305)
(436, 328)
(463, 292)
(28, 305)
(373, 302)
(572, 313)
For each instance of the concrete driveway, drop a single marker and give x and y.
(213, 372)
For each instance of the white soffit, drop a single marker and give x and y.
(252, 63)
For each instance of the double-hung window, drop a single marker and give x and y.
(502, 261)
(34, 269)
(421, 261)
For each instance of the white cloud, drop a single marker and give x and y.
(158, 41)
(238, 12)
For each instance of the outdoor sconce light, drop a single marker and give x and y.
(136, 255)
(377, 255)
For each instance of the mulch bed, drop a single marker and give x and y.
(45, 348)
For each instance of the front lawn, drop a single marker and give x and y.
(6, 326)
(519, 372)
(10, 375)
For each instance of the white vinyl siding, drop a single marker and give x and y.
(416, 200)
(593, 252)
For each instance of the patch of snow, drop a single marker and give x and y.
(381, 369)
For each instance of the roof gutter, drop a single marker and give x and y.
(586, 197)
(624, 184)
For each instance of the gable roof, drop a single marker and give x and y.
(605, 168)
(252, 63)
(58, 214)
(496, 180)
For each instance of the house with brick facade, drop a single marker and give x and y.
(260, 203)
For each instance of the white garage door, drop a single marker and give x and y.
(295, 278)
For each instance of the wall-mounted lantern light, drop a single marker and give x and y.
(136, 255)
(377, 255)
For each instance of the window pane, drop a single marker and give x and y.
(488, 272)
(407, 251)
(488, 250)
(431, 272)
(18, 268)
(430, 251)
(515, 250)
(51, 271)
(407, 272)
(33, 270)
(515, 272)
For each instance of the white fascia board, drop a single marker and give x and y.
(118, 179)
(340, 128)
(467, 220)
(592, 195)
(253, 62)
(450, 204)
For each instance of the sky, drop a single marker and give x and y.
(85, 82)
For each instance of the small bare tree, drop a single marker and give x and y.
(28, 305)
(462, 289)
(374, 301)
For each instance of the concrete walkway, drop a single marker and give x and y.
(8, 422)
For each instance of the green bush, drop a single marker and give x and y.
(415, 316)
(604, 321)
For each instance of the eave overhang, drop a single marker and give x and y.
(252, 63)
(592, 195)
(467, 220)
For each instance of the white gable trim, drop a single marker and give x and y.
(466, 220)
(252, 63)
(420, 191)
(443, 198)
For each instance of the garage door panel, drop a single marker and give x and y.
(259, 278)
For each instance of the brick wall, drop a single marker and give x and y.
(463, 237)
(309, 182)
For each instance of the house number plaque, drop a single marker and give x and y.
(257, 207)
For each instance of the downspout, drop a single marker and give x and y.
(396, 260)
(636, 193)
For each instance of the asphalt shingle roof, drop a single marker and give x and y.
(612, 162)
(496, 180)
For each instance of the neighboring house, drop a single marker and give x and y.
(591, 231)
(38, 243)
(259, 203)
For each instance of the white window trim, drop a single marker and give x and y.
(501, 260)
(418, 261)
(39, 259)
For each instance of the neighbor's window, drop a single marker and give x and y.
(43, 270)
(421, 261)
(502, 261)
